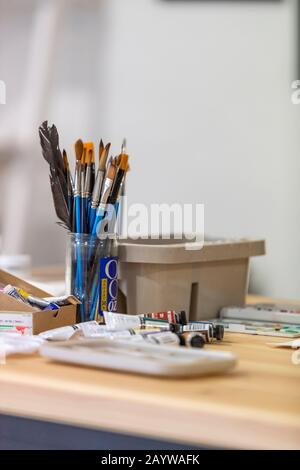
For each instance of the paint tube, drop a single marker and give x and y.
(66, 332)
(14, 343)
(192, 340)
(25, 297)
(165, 337)
(153, 337)
(210, 330)
(218, 331)
(205, 328)
(170, 316)
(13, 292)
(62, 300)
(121, 321)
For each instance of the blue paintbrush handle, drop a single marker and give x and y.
(99, 217)
(78, 214)
(92, 216)
(79, 279)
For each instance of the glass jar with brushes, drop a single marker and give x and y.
(92, 274)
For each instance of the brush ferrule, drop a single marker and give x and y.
(97, 188)
(106, 190)
(82, 181)
(88, 179)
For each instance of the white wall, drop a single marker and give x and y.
(202, 91)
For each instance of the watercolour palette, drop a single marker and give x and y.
(125, 356)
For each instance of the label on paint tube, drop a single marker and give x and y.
(204, 328)
(197, 327)
(154, 337)
(108, 285)
(121, 321)
(16, 323)
(169, 316)
(165, 337)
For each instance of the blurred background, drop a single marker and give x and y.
(202, 91)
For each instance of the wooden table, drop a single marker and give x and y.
(255, 406)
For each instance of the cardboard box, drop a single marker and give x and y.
(17, 316)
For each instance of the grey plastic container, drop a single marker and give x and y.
(158, 275)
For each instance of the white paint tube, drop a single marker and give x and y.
(14, 343)
(153, 337)
(67, 332)
(122, 321)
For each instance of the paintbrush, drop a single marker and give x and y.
(113, 200)
(82, 187)
(77, 186)
(103, 154)
(119, 178)
(107, 184)
(77, 225)
(121, 164)
(93, 171)
(89, 163)
(87, 188)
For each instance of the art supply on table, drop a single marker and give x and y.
(13, 343)
(262, 319)
(273, 313)
(192, 340)
(140, 357)
(19, 323)
(160, 338)
(62, 300)
(108, 285)
(18, 315)
(93, 329)
(210, 331)
(295, 344)
(13, 292)
(67, 332)
(96, 194)
(87, 206)
(261, 328)
(120, 321)
(23, 296)
(170, 315)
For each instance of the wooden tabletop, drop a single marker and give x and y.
(257, 405)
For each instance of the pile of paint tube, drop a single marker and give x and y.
(162, 328)
(38, 303)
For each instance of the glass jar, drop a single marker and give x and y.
(85, 253)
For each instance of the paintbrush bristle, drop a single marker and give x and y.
(65, 160)
(87, 147)
(104, 156)
(123, 163)
(101, 148)
(111, 170)
(123, 146)
(78, 150)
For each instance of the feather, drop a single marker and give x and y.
(52, 154)
(54, 140)
(60, 204)
(59, 185)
